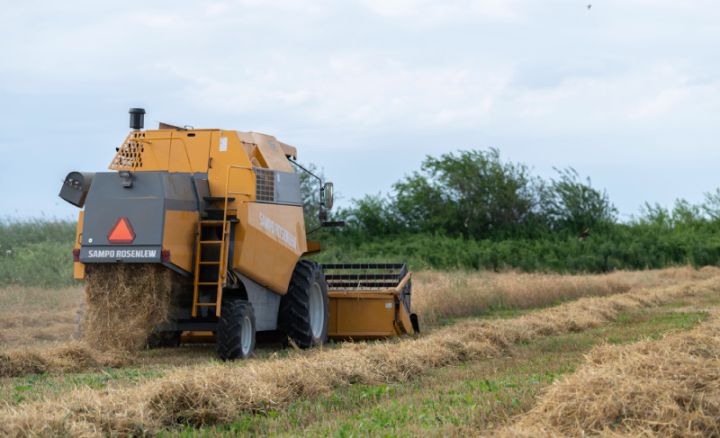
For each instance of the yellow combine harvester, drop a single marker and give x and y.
(223, 209)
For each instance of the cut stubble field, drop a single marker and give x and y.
(493, 343)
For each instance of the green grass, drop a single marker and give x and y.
(35, 387)
(500, 312)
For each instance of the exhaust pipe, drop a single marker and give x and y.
(137, 118)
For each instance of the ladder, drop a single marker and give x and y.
(211, 253)
(213, 242)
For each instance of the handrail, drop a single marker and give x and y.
(222, 271)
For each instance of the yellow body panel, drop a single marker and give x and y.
(267, 150)
(369, 315)
(79, 268)
(189, 151)
(270, 240)
(230, 168)
(164, 150)
(179, 237)
(313, 247)
(361, 315)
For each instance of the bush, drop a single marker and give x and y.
(36, 253)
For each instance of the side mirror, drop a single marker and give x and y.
(327, 195)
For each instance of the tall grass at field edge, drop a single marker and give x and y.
(36, 252)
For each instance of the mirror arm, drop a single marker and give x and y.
(320, 181)
(295, 163)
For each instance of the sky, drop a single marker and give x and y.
(627, 92)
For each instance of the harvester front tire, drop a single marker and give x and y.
(236, 329)
(304, 310)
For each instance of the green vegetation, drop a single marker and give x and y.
(472, 210)
(36, 252)
(629, 247)
(36, 386)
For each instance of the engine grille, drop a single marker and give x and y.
(264, 185)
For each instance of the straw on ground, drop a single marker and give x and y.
(218, 393)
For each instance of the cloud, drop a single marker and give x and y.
(369, 91)
(549, 82)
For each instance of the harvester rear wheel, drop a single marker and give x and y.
(236, 329)
(304, 313)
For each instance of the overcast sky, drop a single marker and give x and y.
(626, 92)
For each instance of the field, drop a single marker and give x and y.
(509, 353)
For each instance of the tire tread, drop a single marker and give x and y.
(229, 330)
(294, 315)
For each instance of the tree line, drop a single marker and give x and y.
(472, 209)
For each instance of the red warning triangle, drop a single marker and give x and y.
(122, 232)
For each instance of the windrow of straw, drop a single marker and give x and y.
(669, 387)
(220, 393)
(438, 295)
(70, 357)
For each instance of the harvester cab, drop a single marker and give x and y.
(223, 210)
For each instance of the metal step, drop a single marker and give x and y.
(216, 199)
(209, 210)
(217, 222)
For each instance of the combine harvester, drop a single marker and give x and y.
(223, 210)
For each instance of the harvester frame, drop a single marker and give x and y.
(223, 209)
